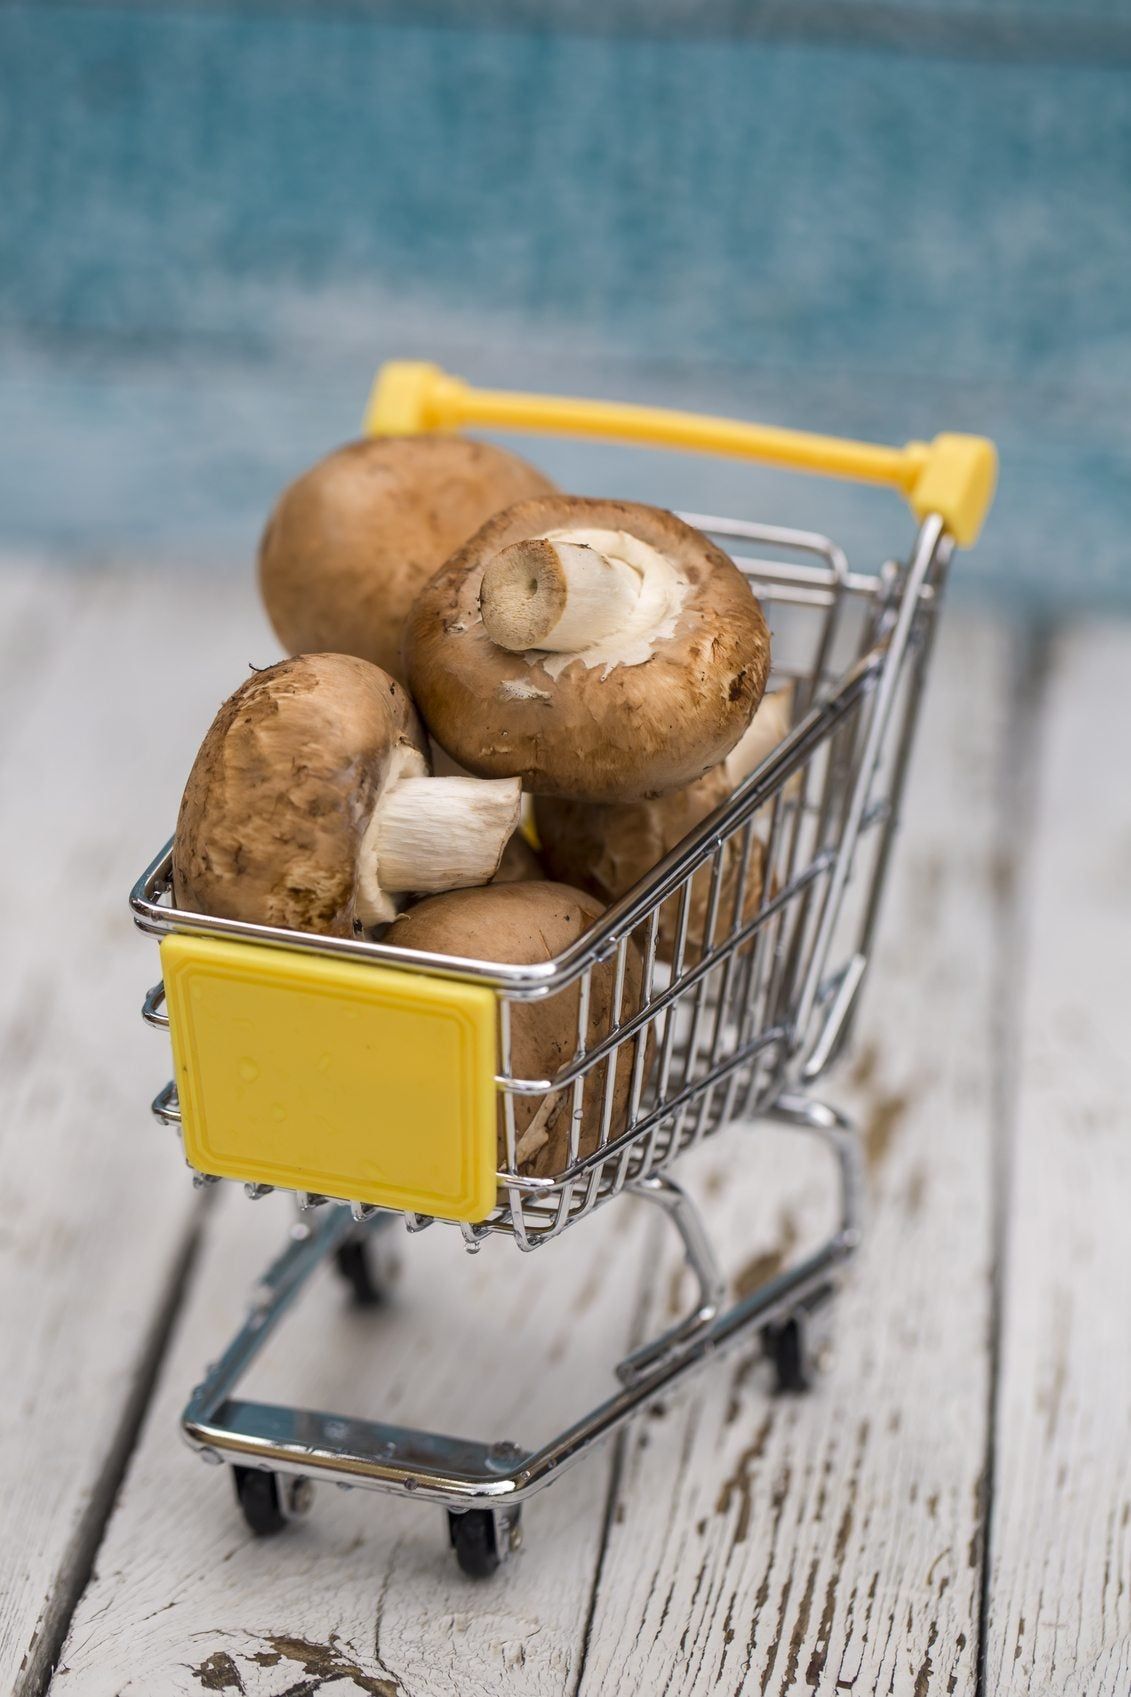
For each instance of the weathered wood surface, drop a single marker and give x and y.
(95, 1212)
(733, 1542)
(1060, 1580)
(834, 1542)
(846, 1527)
(365, 1586)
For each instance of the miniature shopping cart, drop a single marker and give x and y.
(372, 1082)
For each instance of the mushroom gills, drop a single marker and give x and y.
(604, 597)
(430, 834)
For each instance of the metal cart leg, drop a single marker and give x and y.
(802, 1113)
(269, 1501)
(798, 1340)
(700, 1258)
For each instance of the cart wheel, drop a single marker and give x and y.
(786, 1346)
(798, 1345)
(482, 1540)
(355, 1265)
(258, 1497)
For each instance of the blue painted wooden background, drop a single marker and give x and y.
(880, 220)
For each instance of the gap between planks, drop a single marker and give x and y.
(1020, 764)
(487, 1345)
(1058, 1619)
(76, 1561)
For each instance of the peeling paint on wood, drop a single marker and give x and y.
(218, 1672)
(769, 1262)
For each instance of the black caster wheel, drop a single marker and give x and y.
(355, 1265)
(482, 1539)
(258, 1496)
(786, 1346)
(798, 1344)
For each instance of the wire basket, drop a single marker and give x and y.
(757, 993)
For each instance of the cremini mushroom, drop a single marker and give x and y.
(525, 924)
(768, 727)
(521, 862)
(310, 805)
(607, 849)
(596, 649)
(351, 541)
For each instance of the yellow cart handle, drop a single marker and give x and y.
(953, 476)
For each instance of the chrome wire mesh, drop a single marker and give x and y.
(719, 1028)
(731, 970)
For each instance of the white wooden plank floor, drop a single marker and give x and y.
(83, 740)
(1060, 1592)
(979, 1394)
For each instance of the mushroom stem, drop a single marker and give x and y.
(601, 594)
(556, 595)
(433, 834)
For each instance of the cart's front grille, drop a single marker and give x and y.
(731, 969)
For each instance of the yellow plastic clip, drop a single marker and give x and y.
(954, 476)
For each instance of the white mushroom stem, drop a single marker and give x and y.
(444, 833)
(432, 834)
(537, 1134)
(601, 594)
(560, 596)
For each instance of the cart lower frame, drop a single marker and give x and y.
(465, 1474)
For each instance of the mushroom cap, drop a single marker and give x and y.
(522, 925)
(599, 733)
(351, 541)
(608, 849)
(282, 789)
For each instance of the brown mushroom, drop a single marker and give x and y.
(351, 542)
(596, 649)
(769, 726)
(310, 806)
(607, 849)
(525, 924)
(521, 862)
